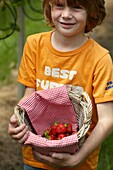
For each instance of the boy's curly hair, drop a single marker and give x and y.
(95, 11)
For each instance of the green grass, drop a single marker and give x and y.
(106, 154)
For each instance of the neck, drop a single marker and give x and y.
(64, 44)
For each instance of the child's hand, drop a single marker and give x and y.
(16, 132)
(59, 160)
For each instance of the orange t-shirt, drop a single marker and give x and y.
(89, 66)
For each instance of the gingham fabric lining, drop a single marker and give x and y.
(45, 107)
(68, 144)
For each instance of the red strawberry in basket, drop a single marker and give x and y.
(61, 135)
(47, 133)
(58, 131)
(54, 128)
(61, 128)
(69, 128)
(52, 137)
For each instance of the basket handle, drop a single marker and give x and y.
(87, 105)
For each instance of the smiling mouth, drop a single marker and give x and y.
(63, 23)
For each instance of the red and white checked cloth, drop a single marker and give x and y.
(43, 109)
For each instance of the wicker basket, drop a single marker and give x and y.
(82, 107)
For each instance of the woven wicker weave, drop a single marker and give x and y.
(83, 109)
(82, 106)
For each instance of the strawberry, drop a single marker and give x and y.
(58, 131)
(69, 128)
(47, 133)
(52, 137)
(61, 128)
(54, 128)
(61, 135)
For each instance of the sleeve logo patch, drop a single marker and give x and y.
(109, 85)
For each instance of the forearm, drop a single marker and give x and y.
(103, 128)
(28, 92)
(98, 135)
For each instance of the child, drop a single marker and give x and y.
(67, 55)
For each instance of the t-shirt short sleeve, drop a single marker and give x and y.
(27, 70)
(103, 80)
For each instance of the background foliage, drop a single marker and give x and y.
(34, 23)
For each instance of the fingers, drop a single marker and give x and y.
(19, 133)
(13, 121)
(36, 155)
(60, 156)
(23, 138)
(40, 157)
(43, 158)
(54, 161)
